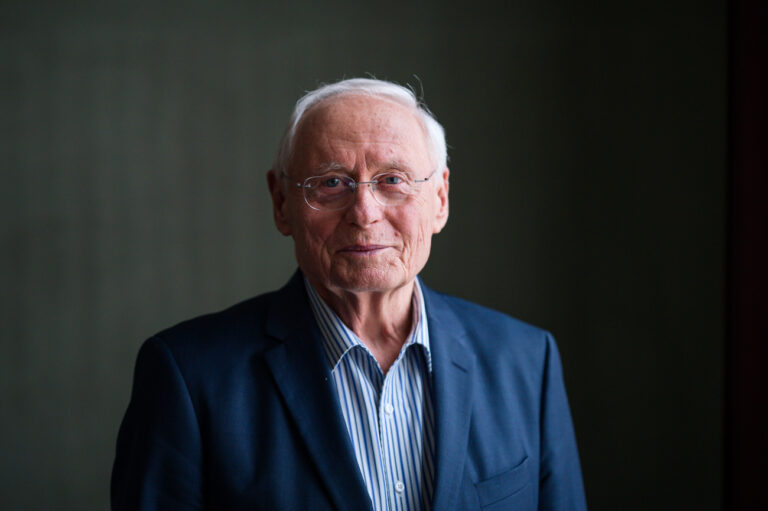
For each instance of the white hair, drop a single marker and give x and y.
(433, 131)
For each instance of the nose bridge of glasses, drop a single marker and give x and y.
(371, 184)
(352, 186)
(357, 200)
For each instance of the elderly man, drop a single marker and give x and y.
(355, 386)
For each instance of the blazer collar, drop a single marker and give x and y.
(453, 376)
(301, 372)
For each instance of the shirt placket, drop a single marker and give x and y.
(391, 428)
(375, 387)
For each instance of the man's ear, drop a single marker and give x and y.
(279, 203)
(442, 184)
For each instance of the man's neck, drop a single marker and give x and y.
(382, 320)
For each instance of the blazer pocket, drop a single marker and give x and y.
(503, 485)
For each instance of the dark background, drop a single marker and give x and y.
(588, 157)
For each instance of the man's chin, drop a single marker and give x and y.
(367, 280)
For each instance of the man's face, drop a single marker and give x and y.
(365, 247)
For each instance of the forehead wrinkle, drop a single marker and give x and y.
(331, 166)
(373, 155)
(389, 164)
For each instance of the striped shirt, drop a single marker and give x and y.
(389, 418)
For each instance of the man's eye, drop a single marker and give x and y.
(392, 179)
(331, 182)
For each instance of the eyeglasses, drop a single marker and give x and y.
(331, 192)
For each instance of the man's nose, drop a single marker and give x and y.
(364, 209)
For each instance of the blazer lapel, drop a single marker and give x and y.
(301, 372)
(453, 364)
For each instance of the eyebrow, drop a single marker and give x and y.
(336, 166)
(329, 167)
(398, 165)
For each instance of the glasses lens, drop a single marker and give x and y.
(330, 191)
(393, 188)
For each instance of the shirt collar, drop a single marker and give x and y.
(338, 339)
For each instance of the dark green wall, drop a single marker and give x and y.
(588, 171)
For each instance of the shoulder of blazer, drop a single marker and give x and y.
(489, 332)
(234, 325)
(242, 330)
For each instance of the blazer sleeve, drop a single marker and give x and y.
(560, 482)
(158, 459)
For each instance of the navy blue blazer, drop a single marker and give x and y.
(236, 411)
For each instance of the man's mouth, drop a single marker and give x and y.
(362, 249)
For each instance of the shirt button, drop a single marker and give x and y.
(389, 409)
(399, 487)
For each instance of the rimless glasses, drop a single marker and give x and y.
(331, 192)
